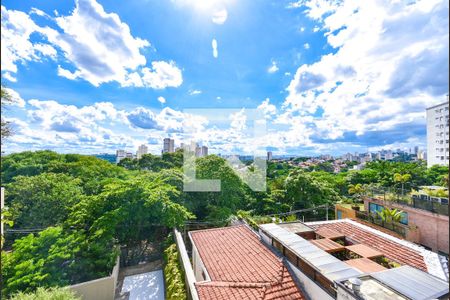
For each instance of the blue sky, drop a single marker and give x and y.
(329, 77)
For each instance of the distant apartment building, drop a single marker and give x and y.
(142, 149)
(122, 154)
(168, 146)
(204, 151)
(438, 134)
(269, 155)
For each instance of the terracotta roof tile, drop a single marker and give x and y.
(241, 266)
(392, 250)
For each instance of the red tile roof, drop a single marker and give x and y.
(390, 249)
(241, 266)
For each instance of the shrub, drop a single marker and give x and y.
(47, 294)
(173, 274)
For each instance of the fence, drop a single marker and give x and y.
(436, 205)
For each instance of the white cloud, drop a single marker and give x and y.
(269, 110)
(162, 75)
(220, 16)
(9, 76)
(379, 77)
(214, 48)
(161, 99)
(306, 46)
(16, 46)
(194, 92)
(302, 29)
(97, 44)
(67, 74)
(273, 68)
(38, 12)
(15, 97)
(295, 4)
(316, 28)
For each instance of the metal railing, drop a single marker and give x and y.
(399, 228)
(438, 205)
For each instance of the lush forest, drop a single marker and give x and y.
(71, 215)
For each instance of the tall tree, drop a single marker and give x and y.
(42, 200)
(6, 99)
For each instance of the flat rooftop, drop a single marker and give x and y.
(240, 266)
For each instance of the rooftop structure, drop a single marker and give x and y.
(397, 250)
(349, 260)
(233, 263)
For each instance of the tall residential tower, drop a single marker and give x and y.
(438, 134)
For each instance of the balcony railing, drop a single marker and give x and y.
(399, 228)
(438, 205)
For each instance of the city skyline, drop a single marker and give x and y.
(328, 78)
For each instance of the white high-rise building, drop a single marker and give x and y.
(438, 134)
(120, 154)
(204, 151)
(169, 146)
(142, 149)
(269, 155)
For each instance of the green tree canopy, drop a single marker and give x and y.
(42, 200)
(303, 191)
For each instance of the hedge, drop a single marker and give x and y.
(173, 274)
(47, 294)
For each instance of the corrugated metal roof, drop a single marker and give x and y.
(328, 265)
(413, 283)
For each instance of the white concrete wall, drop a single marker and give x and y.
(99, 289)
(186, 264)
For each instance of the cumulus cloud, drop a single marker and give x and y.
(161, 75)
(8, 76)
(267, 109)
(143, 118)
(15, 97)
(99, 47)
(380, 75)
(306, 46)
(273, 68)
(161, 99)
(215, 52)
(16, 47)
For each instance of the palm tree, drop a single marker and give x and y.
(357, 190)
(402, 178)
(390, 215)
